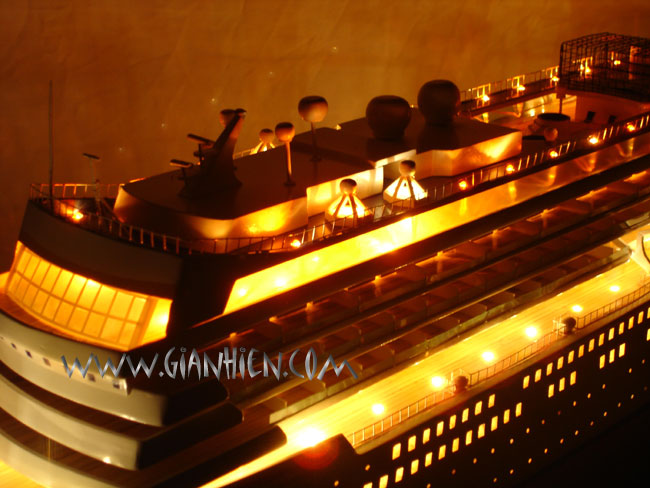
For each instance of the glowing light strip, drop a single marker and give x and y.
(307, 268)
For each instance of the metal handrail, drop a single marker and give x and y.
(296, 239)
(373, 430)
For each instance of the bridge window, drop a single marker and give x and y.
(441, 451)
(383, 481)
(551, 390)
(592, 342)
(601, 362)
(549, 369)
(581, 351)
(601, 339)
(468, 438)
(427, 459)
(630, 323)
(560, 362)
(610, 336)
(481, 431)
(572, 378)
(414, 466)
(452, 421)
(526, 381)
(621, 328)
(455, 444)
(399, 474)
(494, 425)
(538, 375)
(621, 350)
(518, 409)
(570, 357)
(561, 384)
(465, 415)
(440, 428)
(506, 416)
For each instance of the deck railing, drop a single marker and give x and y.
(297, 239)
(373, 430)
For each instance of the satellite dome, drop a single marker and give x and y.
(388, 116)
(439, 102)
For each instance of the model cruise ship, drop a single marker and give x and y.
(447, 294)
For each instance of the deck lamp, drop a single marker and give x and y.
(348, 204)
(405, 188)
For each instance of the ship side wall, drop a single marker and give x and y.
(506, 428)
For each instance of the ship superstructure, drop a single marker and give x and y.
(455, 255)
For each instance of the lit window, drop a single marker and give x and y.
(455, 444)
(441, 451)
(621, 350)
(549, 369)
(465, 415)
(601, 362)
(538, 375)
(428, 458)
(397, 449)
(518, 409)
(506, 416)
(581, 351)
(478, 408)
(572, 378)
(411, 444)
(621, 328)
(491, 401)
(452, 421)
(570, 357)
(592, 343)
(601, 339)
(90, 311)
(494, 424)
(551, 390)
(560, 386)
(426, 435)
(414, 466)
(399, 474)
(481, 431)
(526, 381)
(630, 323)
(383, 481)
(610, 336)
(468, 438)
(439, 428)
(612, 355)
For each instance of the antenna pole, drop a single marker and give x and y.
(51, 144)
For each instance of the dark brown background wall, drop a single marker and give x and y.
(132, 78)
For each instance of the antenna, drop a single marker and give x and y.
(50, 126)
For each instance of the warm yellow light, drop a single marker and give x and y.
(378, 409)
(462, 184)
(295, 244)
(337, 127)
(510, 169)
(587, 70)
(438, 381)
(485, 98)
(593, 140)
(630, 127)
(531, 331)
(488, 356)
(614, 288)
(555, 79)
(521, 88)
(553, 153)
(242, 291)
(342, 208)
(576, 308)
(400, 189)
(531, 112)
(617, 62)
(281, 282)
(309, 437)
(77, 215)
